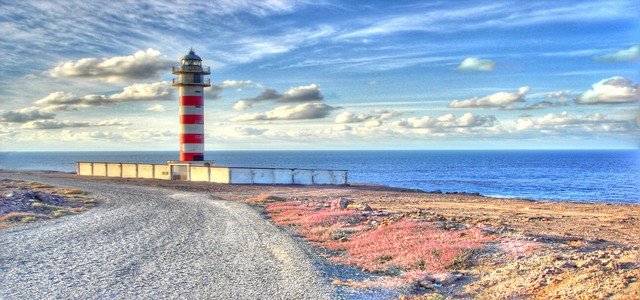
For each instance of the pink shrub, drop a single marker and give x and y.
(407, 245)
(315, 223)
(414, 248)
(515, 248)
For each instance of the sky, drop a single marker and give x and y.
(316, 75)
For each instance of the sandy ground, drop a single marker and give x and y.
(542, 250)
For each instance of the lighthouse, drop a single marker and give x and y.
(191, 83)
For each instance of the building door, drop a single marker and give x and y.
(180, 172)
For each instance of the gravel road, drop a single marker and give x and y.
(154, 243)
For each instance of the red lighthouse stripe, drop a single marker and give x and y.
(189, 138)
(191, 156)
(191, 119)
(191, 100)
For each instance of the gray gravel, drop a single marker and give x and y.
(154, 243)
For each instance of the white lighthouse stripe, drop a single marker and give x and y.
(192, 128)
(191, 110)
(190, 91)
(192, 148)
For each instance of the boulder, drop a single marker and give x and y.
(449, 278)
(340, 203)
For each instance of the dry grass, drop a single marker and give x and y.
(264, 198)
(71, 192)
(73, 201)
(24, 217)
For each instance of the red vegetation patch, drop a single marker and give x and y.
(415, 248)
(517, 248)
(315, 223)
(408, 245)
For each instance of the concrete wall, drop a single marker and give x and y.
(162, 172)
(263, 176)
(130, 170)
(240, 176)
(199, 173)
(216, 174)
(85, 169)
(114, 169)
(99, 169)
(283, 176)
(219, 175)
(329, 177)
(145, 171)
(302, 176)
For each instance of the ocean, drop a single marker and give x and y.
(589, 175)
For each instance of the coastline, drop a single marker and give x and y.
(525, 248)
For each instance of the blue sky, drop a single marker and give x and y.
(94, 75)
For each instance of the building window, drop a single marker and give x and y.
(197, 78)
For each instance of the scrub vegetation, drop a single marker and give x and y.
(26, 202)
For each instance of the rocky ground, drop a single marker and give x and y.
(516, 249)
(24, 202)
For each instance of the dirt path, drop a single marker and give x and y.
(154, 243)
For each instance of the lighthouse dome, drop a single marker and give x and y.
(191, 56)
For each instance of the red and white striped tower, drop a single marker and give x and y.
(191, 83)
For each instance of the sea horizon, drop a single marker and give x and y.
(609, 175)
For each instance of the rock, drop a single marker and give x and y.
(588, 262)
(446, 279)
(340, 203)
(366, 207)
(566, 265)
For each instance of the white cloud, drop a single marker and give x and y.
(239, 84)
(55, 124)
(251, 48)
(373, 123)
(243, 104)
(494, 100)
(564, 122)
(213, 92)
(304, 111)
(136, 92)
(385, 114)
(132, 136)
(476, 64)
(140, 65)
(248, 131)
(370, 120)
(348, 117)
(304, 93)
(47, 107)
(25, 115)
(146, 135)
(493, 15)
(145, 91)
(157, 108)
(467, 120)
(625, 55)
(610, 91)
(553, 99)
